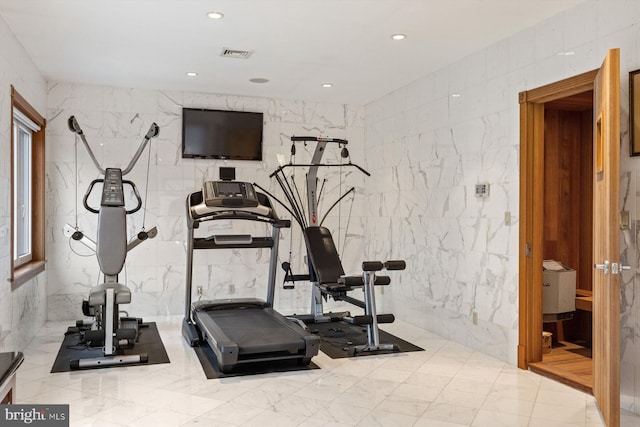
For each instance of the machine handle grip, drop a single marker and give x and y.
(135, 193)
(395, 264)
(124, 181)
(86, 196)
(372, 266)
(282, 223)
(359, 168)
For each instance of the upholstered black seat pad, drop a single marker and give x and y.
(324, 255)
(326, 262)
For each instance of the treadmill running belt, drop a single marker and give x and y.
(255, 330)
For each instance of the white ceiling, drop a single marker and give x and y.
(297, 44)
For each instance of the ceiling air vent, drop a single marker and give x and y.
(234, 53)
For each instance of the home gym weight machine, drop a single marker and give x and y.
(326, 272)
(108, 330)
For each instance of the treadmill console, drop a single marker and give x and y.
(229, 194)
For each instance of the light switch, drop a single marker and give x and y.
(624, 220)
(482, 190)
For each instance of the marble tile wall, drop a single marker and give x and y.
(630, 289)
(114, 121)
(427, 145)
(433, 140)
(22, 312)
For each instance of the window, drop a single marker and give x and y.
(23, 129)
(27, 191)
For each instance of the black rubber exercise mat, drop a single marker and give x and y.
(72, 348)
(207, 359)
(337, 337)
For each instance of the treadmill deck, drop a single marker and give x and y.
(240, 331)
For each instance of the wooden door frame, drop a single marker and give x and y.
(531, 208)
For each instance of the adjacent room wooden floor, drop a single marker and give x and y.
(568, 363)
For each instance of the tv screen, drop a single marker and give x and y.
(218, 134)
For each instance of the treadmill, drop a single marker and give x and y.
(241, 330)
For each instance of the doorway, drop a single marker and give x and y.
(567, 239)
(555, 233)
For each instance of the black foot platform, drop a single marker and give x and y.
(338, 338)
(74, 348)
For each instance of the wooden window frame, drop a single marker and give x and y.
(26, 272)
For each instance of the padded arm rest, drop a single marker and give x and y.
(395, 265)
(372, 266)
(98, 294)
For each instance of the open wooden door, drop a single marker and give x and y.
(605, 83)
(606, 246)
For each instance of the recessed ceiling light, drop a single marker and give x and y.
(327, 85)
(191, 74)
(399, 36)
(259, 80)
(215, 15)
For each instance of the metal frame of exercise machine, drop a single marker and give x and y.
(311, 219)
(325, 268)
(110, 247)
(241, 330)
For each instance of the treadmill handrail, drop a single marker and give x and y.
(236, 214)
(198, 211)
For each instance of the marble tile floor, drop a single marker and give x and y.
(446, 385)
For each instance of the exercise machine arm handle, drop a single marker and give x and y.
(351, 190)
(74, 127)
(136, 194)
(124, 181)
(86, 196)
(359, 168)
(154, 130)
(318, 139)
(326, 165)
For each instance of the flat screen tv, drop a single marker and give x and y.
(219, 134)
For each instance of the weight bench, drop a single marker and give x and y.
(332, 281)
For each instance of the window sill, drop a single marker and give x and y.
(26, 272)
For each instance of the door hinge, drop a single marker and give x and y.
(527, 250)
